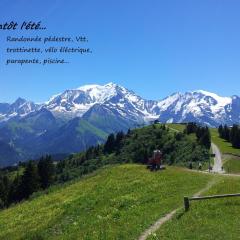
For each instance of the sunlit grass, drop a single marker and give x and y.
(178, 127)
(231, 164)
(224, 146)
(207, 219)
(116, 203)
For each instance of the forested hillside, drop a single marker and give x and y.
(135, 146)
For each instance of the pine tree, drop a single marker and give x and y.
(226, 133)
(205, 138)
(30, 180)
(129, 132)
(118, 141)
(110, 144)
(237, 144)
(198, 133)
(191, 127)
(46, 171)
(15, 192)
(97, 150)
(235, 136)
(220, 131)
(90, 153)
(4, 190)
(2, 194)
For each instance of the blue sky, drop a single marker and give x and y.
(153, 47)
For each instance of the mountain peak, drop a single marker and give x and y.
(207, 93)
(110, 84)
(199, 105)
(221, 100)
(93, 86)
(20, 101)
(88, 87)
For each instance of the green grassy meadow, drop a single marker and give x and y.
(207, 219)
(231, 161)
(117, 202)
(231, 164)
(122, 201)
(224, 146)
(175, 126)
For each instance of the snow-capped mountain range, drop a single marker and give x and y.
(75, 103)
(200, 106)
(19, 108)
(76, 119)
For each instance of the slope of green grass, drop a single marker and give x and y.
(224, 146)
(175, 126)
(207, 219)
(115, 203)
(84, 127)
(231, 164)
(14, 127)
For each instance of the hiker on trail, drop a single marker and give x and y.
(199, 166)
(190, 165)
(222, 168)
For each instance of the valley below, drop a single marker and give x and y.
(100, 139)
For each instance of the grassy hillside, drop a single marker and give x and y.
(208, 219)
(175, 126)
(115, 203)
(231, 162)
(136, 147)
(224, 146)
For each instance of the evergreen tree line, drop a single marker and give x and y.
(36, 176)
(135, 146)
(230, 134)
(113, 142)
(178, 149)
(202, 133)
(93, 158)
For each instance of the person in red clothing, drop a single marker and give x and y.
(156, 160)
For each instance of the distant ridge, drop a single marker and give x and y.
(78, 118)
(200, 106)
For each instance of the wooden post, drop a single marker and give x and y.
(186, 203)
(187, 199)
(215, 196)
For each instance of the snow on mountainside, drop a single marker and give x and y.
(74, 103)
(19, 108)
(200, 106)
(78, 118)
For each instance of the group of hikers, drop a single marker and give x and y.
(199, 165)
(210, 168)
(155, 162)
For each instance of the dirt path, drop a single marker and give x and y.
(170, 215)
(217, 167)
